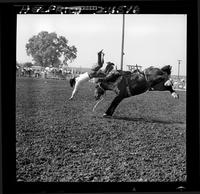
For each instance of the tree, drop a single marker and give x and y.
(46, 49)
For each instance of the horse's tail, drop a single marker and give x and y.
(167, 69)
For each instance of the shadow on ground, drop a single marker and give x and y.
(146, 120)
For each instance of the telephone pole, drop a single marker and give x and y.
(122, 49)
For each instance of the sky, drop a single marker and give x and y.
(149, 40)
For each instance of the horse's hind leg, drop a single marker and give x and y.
(113, 105)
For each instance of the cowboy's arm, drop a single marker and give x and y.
(75, 89)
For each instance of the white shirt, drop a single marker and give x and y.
(82, 78)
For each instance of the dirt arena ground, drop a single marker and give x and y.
(64, 141)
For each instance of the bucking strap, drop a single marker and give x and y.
(127, 87)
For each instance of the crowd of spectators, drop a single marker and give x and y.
(40, 72)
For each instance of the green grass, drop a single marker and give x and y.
(64, 141)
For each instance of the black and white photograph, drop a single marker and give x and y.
(101, 97)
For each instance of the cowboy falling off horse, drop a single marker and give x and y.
(95, 72)
(124, 83)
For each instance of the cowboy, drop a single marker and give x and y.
(95, 72)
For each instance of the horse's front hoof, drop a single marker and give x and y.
(107, 116)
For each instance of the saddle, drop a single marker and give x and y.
(114, 75)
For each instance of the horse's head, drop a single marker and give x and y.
(111, 85)
(99, 90)
(160, 80)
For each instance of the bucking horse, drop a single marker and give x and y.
(126, 84)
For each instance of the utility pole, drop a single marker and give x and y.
(179, 61)
(122, 49)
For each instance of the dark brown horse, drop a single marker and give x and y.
(126, 84)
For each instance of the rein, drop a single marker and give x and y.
(99, 85)
(97, 104)
(102, 98)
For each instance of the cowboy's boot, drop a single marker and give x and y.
(100, 57)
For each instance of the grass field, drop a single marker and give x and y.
(64, 141)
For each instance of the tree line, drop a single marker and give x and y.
(47, 49)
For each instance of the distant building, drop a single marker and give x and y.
(134, 67)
